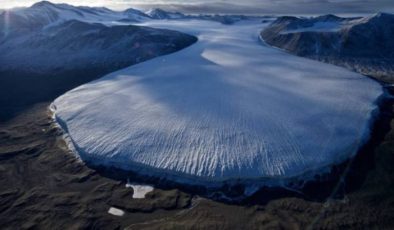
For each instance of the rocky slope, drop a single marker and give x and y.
(79, 44)
(48, 43)
(362, 44)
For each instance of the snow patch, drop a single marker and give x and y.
(140, 190)
(116, 211)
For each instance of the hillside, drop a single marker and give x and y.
(362, 44)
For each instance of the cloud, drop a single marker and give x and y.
(236, 6)
(281, 6)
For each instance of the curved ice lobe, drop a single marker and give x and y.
(226, 108)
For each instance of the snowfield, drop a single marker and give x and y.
(227, 108)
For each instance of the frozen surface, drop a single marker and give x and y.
(225, 108)
(116, 211)
(139, 191)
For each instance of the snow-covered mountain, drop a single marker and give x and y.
(224, 19)
(75, 44)
(46, 13)
(158, 13)
(136, 15)
(50, 36)
(364, 44)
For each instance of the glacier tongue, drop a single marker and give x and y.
(225, 108)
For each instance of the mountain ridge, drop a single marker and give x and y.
(361, 44)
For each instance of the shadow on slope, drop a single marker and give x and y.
(43, 64)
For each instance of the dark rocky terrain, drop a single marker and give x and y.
(364, 45)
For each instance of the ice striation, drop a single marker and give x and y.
(224, 109)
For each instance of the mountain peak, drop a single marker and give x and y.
(382, 15)
(329, 17)
(158, 13)
(382, 18)
(43, 4)
(156, 10)
(133, 11)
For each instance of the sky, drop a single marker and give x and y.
(234, 6)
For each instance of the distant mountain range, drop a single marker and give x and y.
(43, 13)
(365, 44)
(50, 36)
(162, 14)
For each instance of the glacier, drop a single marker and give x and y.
(228, 108)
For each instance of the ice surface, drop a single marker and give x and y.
(116, 211)
(226, 108)
(140, 190)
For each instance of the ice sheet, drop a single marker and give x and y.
(226, 108)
